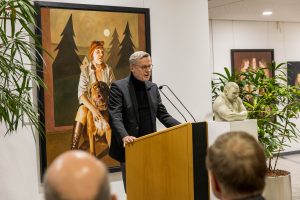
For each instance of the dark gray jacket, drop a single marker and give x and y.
(124, 116)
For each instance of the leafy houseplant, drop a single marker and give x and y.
(18, 57)
(272, 102)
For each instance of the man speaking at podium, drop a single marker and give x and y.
(134, 104)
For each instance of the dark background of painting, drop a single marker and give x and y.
(293, 68)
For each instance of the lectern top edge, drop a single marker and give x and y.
(162, 131)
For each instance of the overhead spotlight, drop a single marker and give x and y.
(266, 13)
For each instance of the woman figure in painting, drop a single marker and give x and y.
(297, 80)
(245, 65)
(245, 68)
(97, 70)
(262, 64)
(253, 65)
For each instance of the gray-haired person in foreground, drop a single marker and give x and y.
(76, 175)
(237, 167)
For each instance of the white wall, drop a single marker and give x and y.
(180, 51)
(283, 37)
(19, 172)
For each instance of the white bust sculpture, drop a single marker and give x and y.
(229, 106)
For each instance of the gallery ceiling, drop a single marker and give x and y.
(283, 10)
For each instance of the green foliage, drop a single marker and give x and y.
(271, 101)
(18, 44)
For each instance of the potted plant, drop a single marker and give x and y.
(18, 64)
(274, 104)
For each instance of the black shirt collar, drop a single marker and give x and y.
(136, 82)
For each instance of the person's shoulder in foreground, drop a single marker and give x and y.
(237, 167)
(76, 175)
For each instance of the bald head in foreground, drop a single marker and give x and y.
(237, 167)
(76, 175)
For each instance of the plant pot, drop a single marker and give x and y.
(278, 188)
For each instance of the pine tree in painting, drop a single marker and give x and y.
(127, 48)
(66, 70)
(114, 50)
(67, 61)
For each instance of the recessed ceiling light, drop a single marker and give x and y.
(267, 13)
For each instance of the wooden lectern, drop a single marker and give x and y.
(169, 165)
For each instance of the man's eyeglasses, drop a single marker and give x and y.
(145, 67)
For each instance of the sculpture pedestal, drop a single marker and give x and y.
(216, 128)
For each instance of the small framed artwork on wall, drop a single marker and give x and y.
(293, 73)
(243, 60)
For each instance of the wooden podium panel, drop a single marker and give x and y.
(168, 165)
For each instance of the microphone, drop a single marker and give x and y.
(160, 87)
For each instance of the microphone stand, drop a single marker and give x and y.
(160, 87)
(172, 103)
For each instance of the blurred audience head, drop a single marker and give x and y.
(237, 166)
(76, 175)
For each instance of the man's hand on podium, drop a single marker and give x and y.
(128, 139)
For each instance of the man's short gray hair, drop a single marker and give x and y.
(137, 56)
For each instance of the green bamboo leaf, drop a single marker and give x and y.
(221, 75)
(18, 56)
(228, 74)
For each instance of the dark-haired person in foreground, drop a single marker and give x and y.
(76, 175)
(237, 167)
(134, 104)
